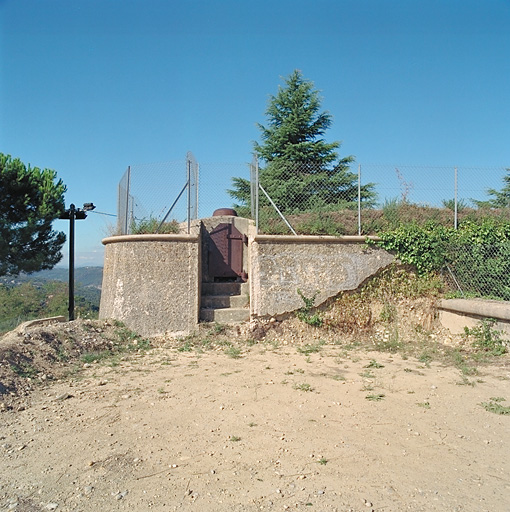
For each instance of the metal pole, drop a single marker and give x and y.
(455, 221)
(189, 194)
(197, 177)
(278, 211)
(359, 199)
(126, 226)
(256, 195)
(72, 213)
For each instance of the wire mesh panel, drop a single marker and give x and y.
(318, 200)
(217, 179)
(480, 270)
(146, 194)
(192, 170)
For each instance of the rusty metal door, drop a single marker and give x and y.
(226, 252)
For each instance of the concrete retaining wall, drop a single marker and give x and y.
(282, 264)
(152, 282)
(455, 314)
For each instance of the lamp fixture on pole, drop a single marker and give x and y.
(71, 214)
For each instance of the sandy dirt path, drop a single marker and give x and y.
(271, 430)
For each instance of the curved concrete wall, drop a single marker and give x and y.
(152, 282)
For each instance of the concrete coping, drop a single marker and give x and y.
(22, 328)
(479, 307)
(314, 239)
(150, 238)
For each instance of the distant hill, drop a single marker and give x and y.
(87, 277)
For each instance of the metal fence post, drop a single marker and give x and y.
(126, 227)
(188, 164)
(359, 199)
(455, 220)
(257, 196)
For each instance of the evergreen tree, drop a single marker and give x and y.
(30, 200)
(302, 171)
(501, 198)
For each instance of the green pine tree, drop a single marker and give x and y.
(501, 198)
(301, 172)
(30, 200)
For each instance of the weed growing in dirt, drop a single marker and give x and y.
(425, 405)
(304, 386)
(234, 439)
(375, 398)
(23, 369)
(233, 352)
(374, 364)
(310, 349)
(494, 405)
(486, 338)
(323, 461)
(464, 381)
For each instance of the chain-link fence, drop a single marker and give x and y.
(159, 197)
(367, 199)
(360, 199)
(167, 197)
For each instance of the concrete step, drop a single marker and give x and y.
(224, 301)
(225, 289)
(225, 315)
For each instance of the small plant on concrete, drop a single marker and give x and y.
(305, 312)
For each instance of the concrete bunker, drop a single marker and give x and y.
(159, 284)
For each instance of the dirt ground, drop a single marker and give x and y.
(269, 426)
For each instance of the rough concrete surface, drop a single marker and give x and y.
(152, 285)
(327, 265)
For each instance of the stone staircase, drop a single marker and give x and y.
(225, 303)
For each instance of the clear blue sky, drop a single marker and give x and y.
(88, 87)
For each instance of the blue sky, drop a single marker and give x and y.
(88, 87)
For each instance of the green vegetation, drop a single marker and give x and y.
(153, 225)
(304, 386)
(486, 338)
(303, 171)
(375, 398)
(478, 254)
(374, 364)
(494, 405)
(29, 300)
(30, 200)
(500, 198)
(305, 312)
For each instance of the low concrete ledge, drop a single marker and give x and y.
(455, 314)
(150, 238)
(478, 307)
(22, 328)
(314, 239)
